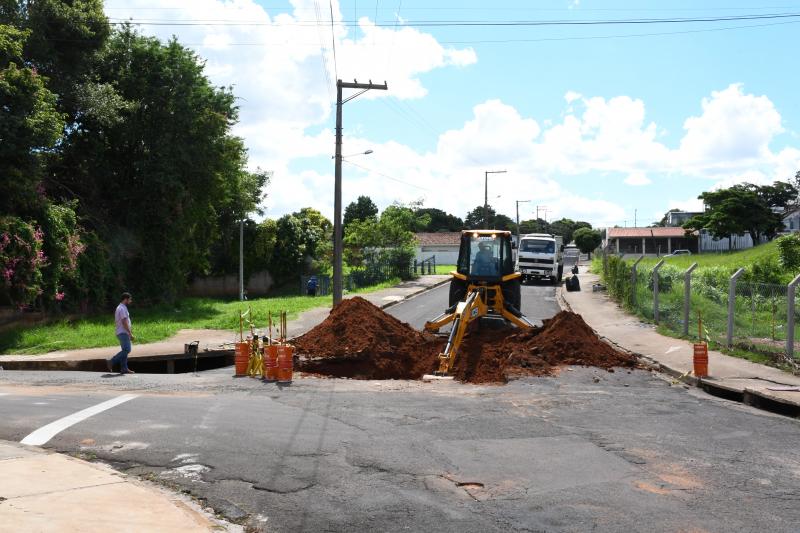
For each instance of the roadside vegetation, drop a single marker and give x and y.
(158, 322)
(760, 304)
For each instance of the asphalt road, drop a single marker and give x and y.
(586, 450)
(538, 303)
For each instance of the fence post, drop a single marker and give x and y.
(655, 290)
(687, 296)
(790, 316)
(732, 304)
(633, 280)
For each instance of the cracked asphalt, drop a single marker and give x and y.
(587, 450)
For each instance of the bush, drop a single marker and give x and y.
(789, 252)
(21, 262)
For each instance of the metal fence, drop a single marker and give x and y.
(726, 310)
(359, 278)
(425, 266)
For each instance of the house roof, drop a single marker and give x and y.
(445, 238)
(619, 233)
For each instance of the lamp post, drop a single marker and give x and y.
(519, 202)
(337, 186)
(486, 195)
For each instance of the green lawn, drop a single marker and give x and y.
(727, 259)
(158, 322)
(445, 269)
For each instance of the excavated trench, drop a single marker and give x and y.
(360, 341)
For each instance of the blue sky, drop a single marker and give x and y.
(593, 125)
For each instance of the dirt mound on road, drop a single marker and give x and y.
(359, 340)
(565, 339)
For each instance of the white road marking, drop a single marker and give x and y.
(5, 394)
(45, 433)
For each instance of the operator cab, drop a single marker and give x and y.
(485, 255)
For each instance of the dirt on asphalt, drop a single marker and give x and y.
(358, 340)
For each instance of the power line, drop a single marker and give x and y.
(385, 175)
(618, 36)
(326, 73)
(463, 23)
(506, 41)
(333, 41)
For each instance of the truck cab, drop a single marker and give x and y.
(540, 256)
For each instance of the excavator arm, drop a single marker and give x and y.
(473, 307)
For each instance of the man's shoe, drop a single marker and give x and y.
(129, 371)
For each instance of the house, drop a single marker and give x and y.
(791, 220)
(650, 241)
(677, 218)
(442, 245)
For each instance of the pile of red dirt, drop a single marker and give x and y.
(359, 340)
(565, 339)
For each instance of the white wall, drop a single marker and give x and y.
(445, 255)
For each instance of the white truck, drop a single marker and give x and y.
(540, 255)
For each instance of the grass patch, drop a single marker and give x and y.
(734, 259)
(158, 322)
(444, 269)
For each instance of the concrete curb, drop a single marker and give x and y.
(415, 294)
(747, 395)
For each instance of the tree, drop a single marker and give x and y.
(779, 195)
(362, 209)
(30, 126)
(167, 180)
(440, 220)
(587, 240)
(474, 220)
(390, 238)
(539, 225)
(564, 227)
(735, 211)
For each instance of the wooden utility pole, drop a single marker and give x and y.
(337, 188)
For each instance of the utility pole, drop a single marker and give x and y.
(635, 213)
(241, 260)
(543, 208)
(486, 195)
(519, 202)
(337, 189)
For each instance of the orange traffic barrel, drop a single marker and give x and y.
(241, 357)
(271, 362)
(285, 363)
(700, 360)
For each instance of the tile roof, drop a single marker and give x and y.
(445, 238)
(614, 233)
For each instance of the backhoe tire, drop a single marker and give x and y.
(458, 291)
(512, 293)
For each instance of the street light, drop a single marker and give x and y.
(365, 152)
(519, 202)
(486, 195)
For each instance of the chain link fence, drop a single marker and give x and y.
(726, 311)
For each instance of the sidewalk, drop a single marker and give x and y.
(45, 491)
(210, 340)
(730, 374)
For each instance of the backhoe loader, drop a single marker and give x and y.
(485, 284)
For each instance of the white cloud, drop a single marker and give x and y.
(283, 80)
(734, 131)
(637, 179)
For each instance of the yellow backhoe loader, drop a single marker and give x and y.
(484, 284)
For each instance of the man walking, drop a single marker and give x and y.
(122, 321)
